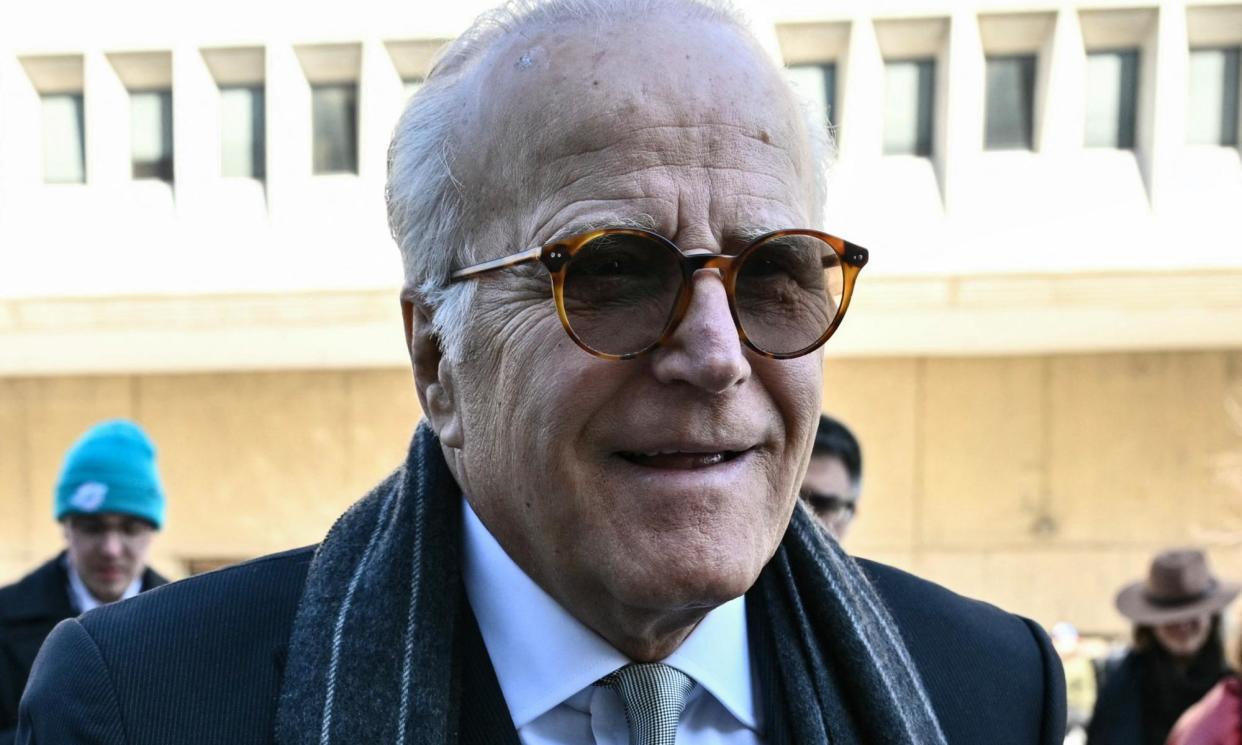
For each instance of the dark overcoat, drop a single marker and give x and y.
(200, 662)
(29, 609)
(1128, 710)
(1118, 715)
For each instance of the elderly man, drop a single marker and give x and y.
(109, 502)
(591, 539)
(832, 485)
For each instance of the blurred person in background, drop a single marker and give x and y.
(833, 482)
(1176, 655)
(109, 503)
(1217, 718)
(1080, 682)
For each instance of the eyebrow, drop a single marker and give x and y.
(733, 237)
(642, 222)
(749, 234)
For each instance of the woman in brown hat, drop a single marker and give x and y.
(1176, 657)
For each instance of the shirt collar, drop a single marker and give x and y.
(80, 595)
(543, 655)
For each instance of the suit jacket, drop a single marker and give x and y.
(29, 609)
(200, 662)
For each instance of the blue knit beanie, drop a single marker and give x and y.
(111, 468)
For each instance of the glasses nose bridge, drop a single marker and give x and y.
(695, 261)
(698, 261)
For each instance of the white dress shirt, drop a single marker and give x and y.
(80, 595)
(547, 661)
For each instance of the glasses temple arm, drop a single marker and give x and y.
(503, 262)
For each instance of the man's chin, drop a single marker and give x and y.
(688, 587)
(108, 592)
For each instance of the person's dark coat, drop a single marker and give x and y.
(1118, 714)
(29, 609)
(1125, 713)
(201, 661)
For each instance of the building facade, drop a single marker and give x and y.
(1043, 359)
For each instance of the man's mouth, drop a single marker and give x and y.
(680, 460)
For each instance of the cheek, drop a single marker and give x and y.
(528, 377)
(1201, 636)
(529, 407)
(138, 548)
(795, 387)
(80, 550)
(500, 380)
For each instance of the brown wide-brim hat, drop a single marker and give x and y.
(1178, 587)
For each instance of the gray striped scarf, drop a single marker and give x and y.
(372, 657)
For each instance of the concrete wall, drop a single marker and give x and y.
(1040, 483)
(1044, 483)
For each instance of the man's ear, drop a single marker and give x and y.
(433, 371)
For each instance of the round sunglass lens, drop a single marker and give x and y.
(620, 291)
(788, 292)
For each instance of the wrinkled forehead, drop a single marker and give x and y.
(567, 88)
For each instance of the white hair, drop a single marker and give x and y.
(426, 202)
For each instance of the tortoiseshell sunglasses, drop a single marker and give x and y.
(621, 292)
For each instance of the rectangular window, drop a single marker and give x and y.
(817, 83)
(151, 134)
(335, 128)
(1010, 103)
(1112, 98)
(64, 138)
(242, 145)
(909, 107)
(1212, 93)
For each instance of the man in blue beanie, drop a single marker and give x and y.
(109, 502)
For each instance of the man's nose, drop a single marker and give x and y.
(111, 544)
(704, 350)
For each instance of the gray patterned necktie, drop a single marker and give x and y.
(654, 696)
